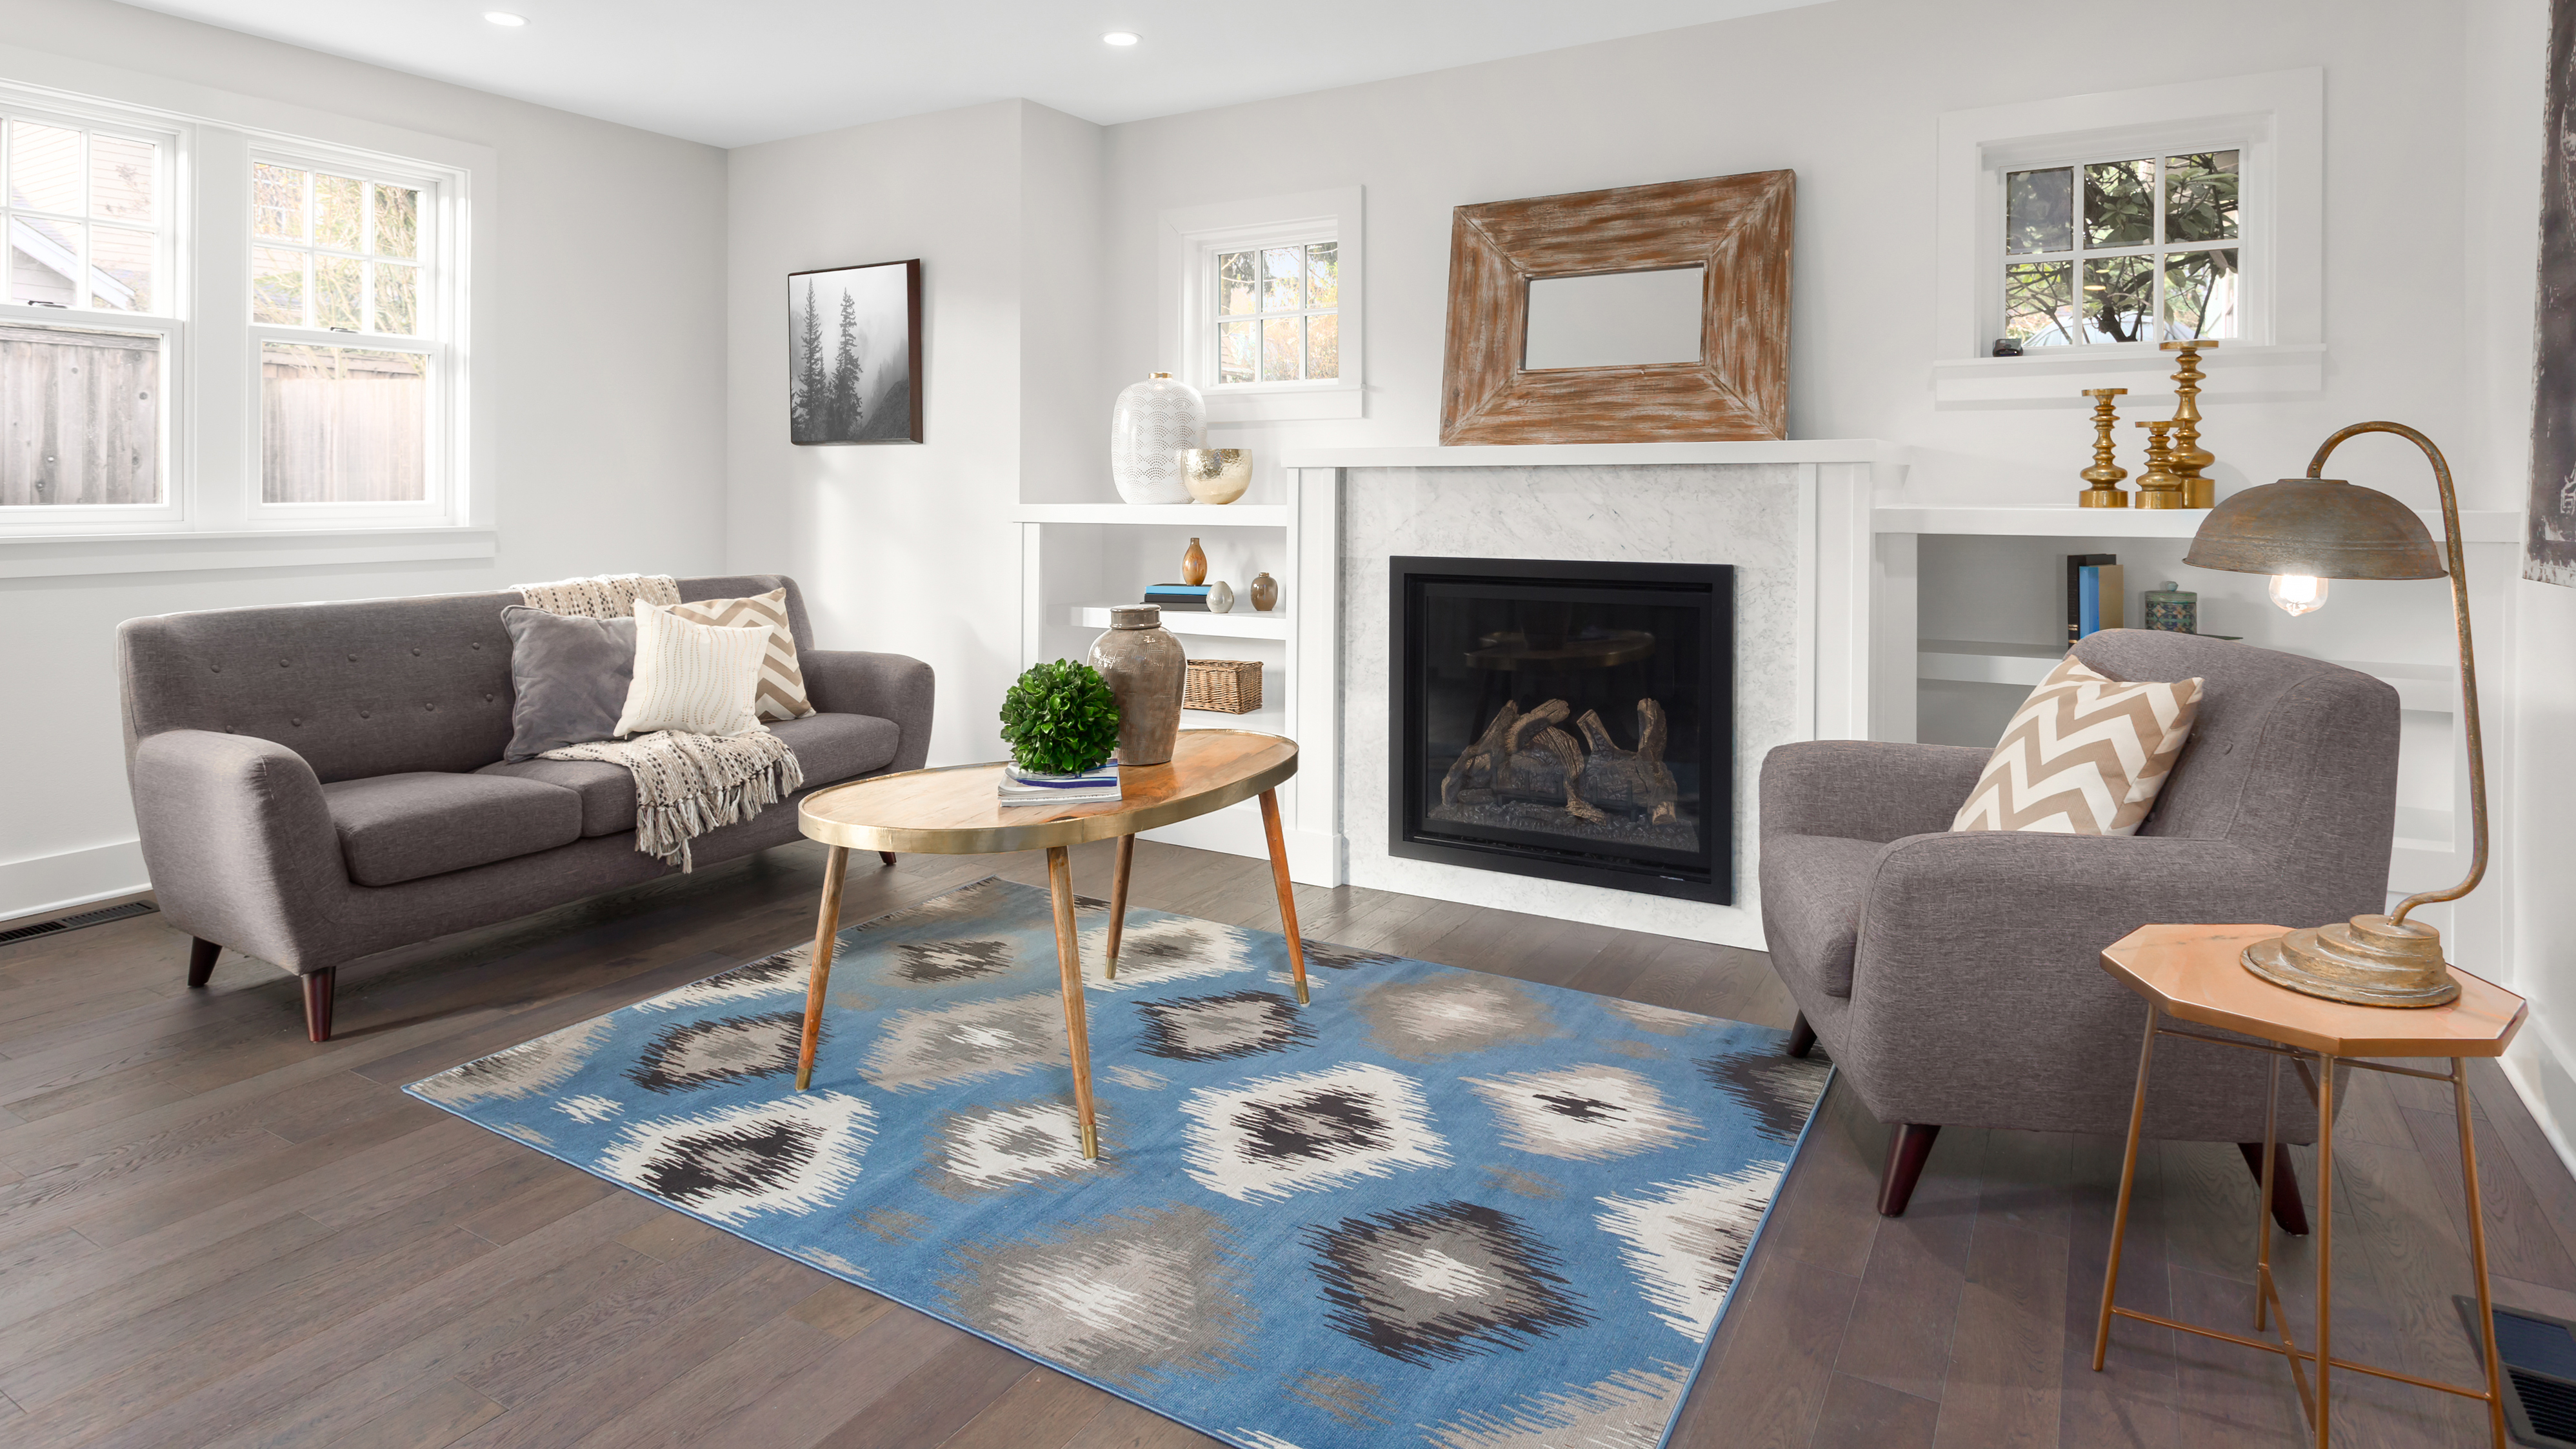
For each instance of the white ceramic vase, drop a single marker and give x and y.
(1154, 421)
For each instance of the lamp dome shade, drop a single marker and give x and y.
(2321, 527)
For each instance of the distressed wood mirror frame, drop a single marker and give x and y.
(1738, 390)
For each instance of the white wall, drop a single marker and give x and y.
(603, 375)
(900, 547)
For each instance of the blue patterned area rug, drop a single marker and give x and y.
(1436, 1206)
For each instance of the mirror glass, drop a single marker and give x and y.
(1616, 319)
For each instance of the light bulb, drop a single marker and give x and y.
(1120, 37)
(2298, 594)
(505, 19)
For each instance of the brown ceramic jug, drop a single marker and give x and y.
(1145, 668)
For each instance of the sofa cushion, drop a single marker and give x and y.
(569, 677)
(395, 828)
(1812, 890)
(829, 747)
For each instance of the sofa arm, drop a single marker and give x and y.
(1866, 790)
(239, 842)
(889, 686)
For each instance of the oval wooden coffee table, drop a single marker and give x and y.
(956, 810)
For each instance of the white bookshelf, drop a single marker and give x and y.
(1243, 623)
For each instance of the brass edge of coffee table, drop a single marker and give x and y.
(1037, 835)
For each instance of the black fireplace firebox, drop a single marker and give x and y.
(1567, 720)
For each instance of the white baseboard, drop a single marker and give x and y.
(2543, 1074)
(1314, 858)
(73, 878)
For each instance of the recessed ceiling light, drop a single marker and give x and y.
(1120, 37)
(504, 17)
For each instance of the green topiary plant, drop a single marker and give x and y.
(1060, 718)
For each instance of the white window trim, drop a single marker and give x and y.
(1191, 237)
(2277, 119)
(214, 422)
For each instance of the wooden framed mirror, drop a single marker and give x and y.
(1570, 317)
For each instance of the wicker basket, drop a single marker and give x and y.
(1227, 686)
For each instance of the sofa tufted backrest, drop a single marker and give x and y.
(367, 687)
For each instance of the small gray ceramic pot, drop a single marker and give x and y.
(1146, 668)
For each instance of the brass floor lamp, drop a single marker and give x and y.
(2303, 532)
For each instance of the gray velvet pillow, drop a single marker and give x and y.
(571, 676)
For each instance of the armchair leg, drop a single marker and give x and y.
(2288, 1209)
(886, 855)
(201, 960)
(317, 1002)
(1802, 1037)
(1906, 1150)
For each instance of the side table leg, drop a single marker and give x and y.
(2128, 1183)
(1068, 960)
(818, 971)
(1118, 898)
(1287, 892)
(2478, 1250)
(2263, 1195)
(2325, 1249)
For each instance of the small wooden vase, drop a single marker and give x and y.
(1194, 564)
(1265, 593)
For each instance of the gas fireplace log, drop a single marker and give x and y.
(1488, 751)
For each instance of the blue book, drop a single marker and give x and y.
(2088, 601)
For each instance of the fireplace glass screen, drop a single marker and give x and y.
(1571, 721)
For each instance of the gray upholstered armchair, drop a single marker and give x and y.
(1955, 978)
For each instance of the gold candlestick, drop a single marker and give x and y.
(2104, 475)
(2159, 486)
(2189, 457)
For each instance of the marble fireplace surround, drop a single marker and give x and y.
(1793, 518)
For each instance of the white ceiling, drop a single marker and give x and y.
(732, 72)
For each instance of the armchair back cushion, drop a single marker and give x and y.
(375, 687)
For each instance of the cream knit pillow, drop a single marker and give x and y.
(698, 678)
(2086, 754)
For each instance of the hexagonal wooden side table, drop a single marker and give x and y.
(2191, 973)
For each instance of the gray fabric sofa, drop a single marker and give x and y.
(319, 782)
(1956, 978)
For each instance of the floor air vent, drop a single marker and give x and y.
(2539, 1354)
(75, 922)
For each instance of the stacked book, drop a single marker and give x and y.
(1028, 787)
(1191, 597)
(2095, 592)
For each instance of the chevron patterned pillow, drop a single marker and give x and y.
(782, 683)
(2084, 755)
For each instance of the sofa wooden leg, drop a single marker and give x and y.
(1802, 1037)
(2288, 1208)
(1906, 1149)
(201, 960)
(886, 855)
(317, 1002)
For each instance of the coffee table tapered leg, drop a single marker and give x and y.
(818, 972)
(1118, 898)
(1287, 892)
(1068, 960)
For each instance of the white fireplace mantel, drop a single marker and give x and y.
(1872, 451)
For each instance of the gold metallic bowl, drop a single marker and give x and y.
(1216, 475)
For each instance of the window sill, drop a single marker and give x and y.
(2057, 377)
(70, 555)
(1285, 404)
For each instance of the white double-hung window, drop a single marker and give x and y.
(1262, 305)
(214, 331)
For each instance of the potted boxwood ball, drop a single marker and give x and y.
(1060, 719)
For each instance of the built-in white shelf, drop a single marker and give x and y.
(1601, 455)
(1182, 515)
(1246, 624)
(2477, 525)
(2430, 687)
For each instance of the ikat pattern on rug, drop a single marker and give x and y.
(1433, 1207)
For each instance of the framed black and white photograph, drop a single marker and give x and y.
(854, 354)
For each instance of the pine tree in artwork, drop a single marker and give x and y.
(805, 389)
(845, 373)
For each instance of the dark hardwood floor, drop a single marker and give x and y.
(215, 1233)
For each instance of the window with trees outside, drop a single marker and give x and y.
(2130, 249)
(347, 360)
(85, 350)
(1277, 312)
(212, 331)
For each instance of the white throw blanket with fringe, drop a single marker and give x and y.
(685, 784)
